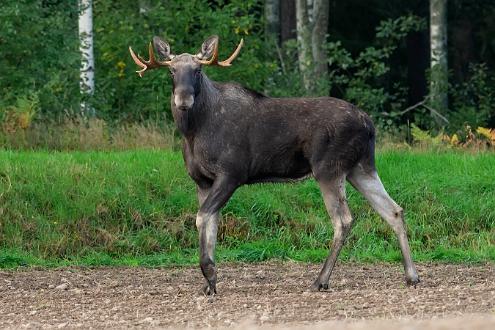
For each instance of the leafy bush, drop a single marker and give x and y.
(361, 79)
(482, 139)
(40, 62)
(40, 52)
(39, 47)
(473, 101)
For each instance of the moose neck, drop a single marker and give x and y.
(189, 121)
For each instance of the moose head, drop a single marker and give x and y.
(184, 68)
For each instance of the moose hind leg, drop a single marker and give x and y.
(333, 192)
(369, 184)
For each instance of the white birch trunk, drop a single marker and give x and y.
(438, 44)
(87, 82)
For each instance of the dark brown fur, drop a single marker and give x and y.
(234, 136)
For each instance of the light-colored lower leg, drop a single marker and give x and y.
(370, 185)
(211, 202)
(336, 204)
(207, 225)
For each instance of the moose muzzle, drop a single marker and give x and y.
(183, 99)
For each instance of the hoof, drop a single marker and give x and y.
(317, 286)
(412, 280)
(210, 274)
(208, 289)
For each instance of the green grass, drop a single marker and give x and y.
(138, 208)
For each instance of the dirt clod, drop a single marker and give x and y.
(62, 286)
(249, 295)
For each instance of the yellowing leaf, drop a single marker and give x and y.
(486, 132)
(454, 140)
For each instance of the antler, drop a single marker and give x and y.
(152, 63)
(214, 58)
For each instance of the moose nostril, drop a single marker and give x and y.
(183, 101)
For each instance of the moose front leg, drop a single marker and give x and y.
(207, 224)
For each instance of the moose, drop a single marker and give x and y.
(234, 136)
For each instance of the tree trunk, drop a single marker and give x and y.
(272, 34)
(417, 64)
(287, 20)
(272, 21)
(318, 37)
(87, 83)
(462, 40)
(304, 43)
(438, 60)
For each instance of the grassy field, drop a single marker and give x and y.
(138, 208)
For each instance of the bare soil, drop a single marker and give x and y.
(361, 296)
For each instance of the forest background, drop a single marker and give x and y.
(376, 54)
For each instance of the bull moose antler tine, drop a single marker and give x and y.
(232, 57)
(152, 63)
(139, 62)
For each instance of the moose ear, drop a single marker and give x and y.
(162, 47)
(208, 47)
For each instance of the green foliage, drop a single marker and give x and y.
(40, 52)
(362, 78)
(139, 207)
(39, 47)
(473, 101)
(424, 137)
(184, 24)
(40, 57)
(392, 31)
(365, 79)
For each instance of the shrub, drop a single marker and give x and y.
(361, 79)
(473, 101)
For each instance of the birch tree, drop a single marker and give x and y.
(438, 55)
(312, 29)
(87, 82)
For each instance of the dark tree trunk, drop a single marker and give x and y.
(304, 44)
(417, 64)
(272, 20)
(318, 38)
(287, 20)
(462, 48)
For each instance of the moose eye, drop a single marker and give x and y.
(197, 72)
